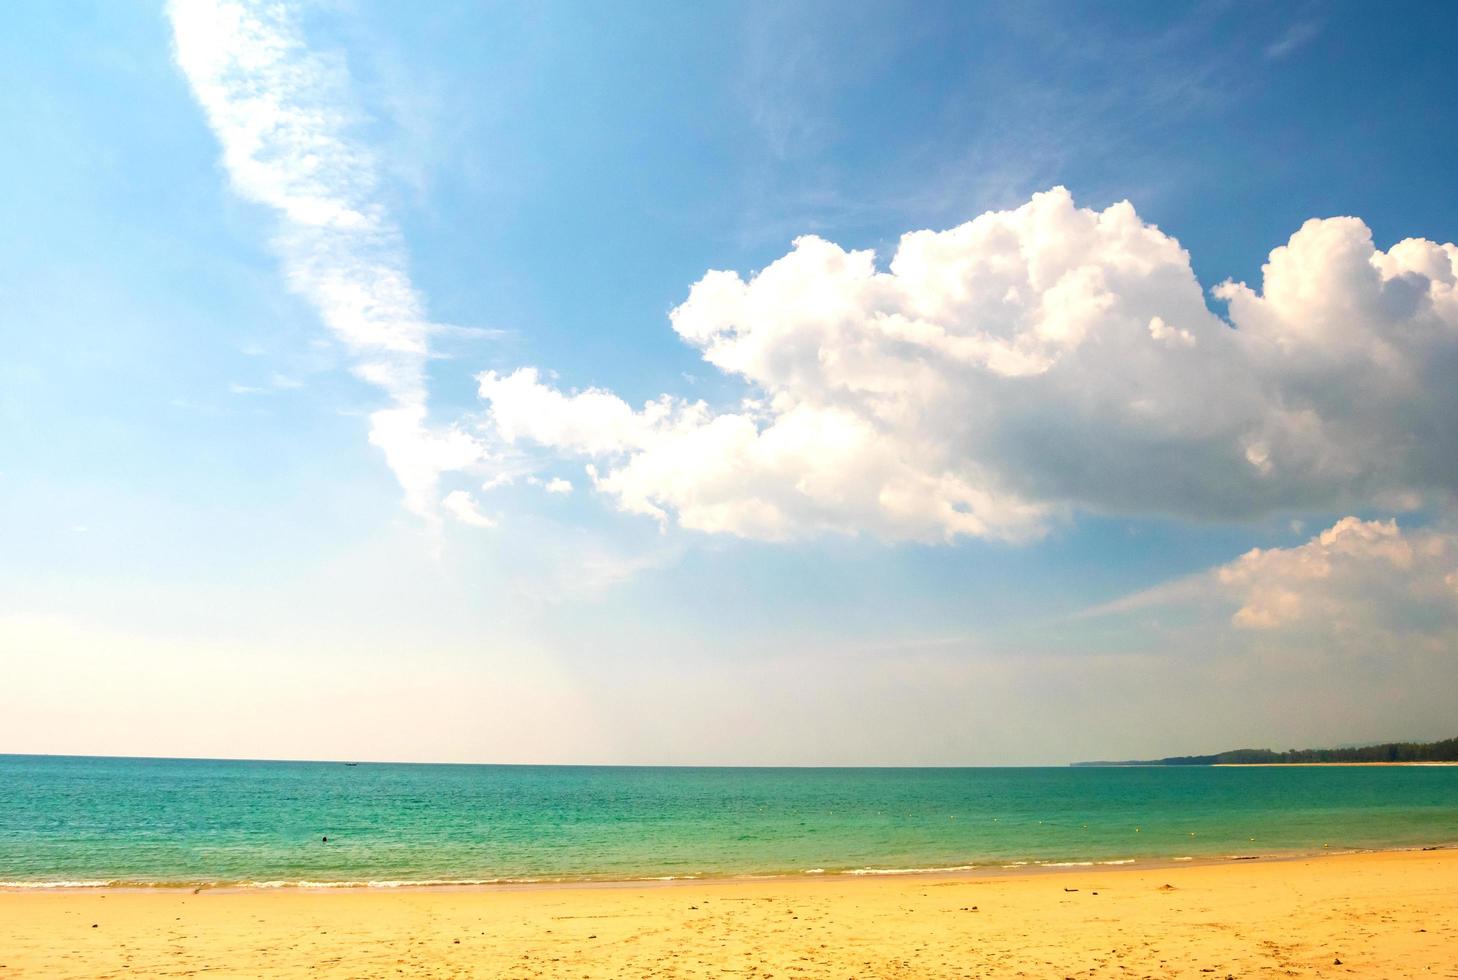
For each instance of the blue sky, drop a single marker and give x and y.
(205, 551)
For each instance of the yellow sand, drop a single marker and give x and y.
(1381, 915)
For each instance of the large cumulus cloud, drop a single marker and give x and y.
(1028, 363)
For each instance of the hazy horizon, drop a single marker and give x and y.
(653, 765)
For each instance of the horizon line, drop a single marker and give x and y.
(532, 765)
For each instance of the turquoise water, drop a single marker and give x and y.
(169, 821)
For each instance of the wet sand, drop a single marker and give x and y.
(1368, 915)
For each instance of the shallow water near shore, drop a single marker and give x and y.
(93, 821)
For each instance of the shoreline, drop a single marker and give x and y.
(1387, 914)
(970, 872)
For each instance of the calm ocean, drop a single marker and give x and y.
(164, 821)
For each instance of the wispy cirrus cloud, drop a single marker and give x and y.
(1295, 36)
(284, 117)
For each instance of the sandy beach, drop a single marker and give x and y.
(1369, 915)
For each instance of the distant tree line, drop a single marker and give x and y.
(1444, 751)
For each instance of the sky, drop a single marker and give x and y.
(768, 384)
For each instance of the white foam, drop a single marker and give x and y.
(386, 883)
(909, 871)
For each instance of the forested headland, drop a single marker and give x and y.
(1389, 752)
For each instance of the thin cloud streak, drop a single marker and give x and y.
(1296, 36)
(283, 115)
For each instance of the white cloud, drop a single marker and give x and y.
(995, 377)
(555, 485)
(276, 382)
(1028, 363)
(462, 506)
(1348, 636)
(283, 116)
(1353, 576)
(1366, 586)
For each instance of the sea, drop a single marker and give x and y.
(92, 822)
